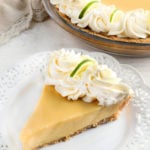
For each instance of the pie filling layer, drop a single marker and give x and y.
(55, 117)
(127, 5)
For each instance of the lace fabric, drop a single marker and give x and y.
(16, 16)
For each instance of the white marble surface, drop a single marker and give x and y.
(49, 36)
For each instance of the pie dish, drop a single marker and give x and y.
(127, 45)
(25, 74)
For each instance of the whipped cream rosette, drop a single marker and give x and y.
(77, 76)
(104, 18)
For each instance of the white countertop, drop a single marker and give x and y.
(49, 36)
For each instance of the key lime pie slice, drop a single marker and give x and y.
(79, 94)
(118, 18)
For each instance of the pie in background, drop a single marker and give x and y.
(128, 19)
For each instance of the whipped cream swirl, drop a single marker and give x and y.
(92, 82)
(133, 24)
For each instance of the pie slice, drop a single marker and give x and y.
(79, 94)
(56, 118)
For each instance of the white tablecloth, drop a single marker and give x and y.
(49, 36)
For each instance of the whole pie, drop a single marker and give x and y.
(79, 93)
(116, 18)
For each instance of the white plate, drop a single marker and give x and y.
(20, 89)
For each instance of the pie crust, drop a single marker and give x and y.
(104, 35)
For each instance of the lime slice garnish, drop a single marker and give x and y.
(87, 6)
(116, 16)
(81, 67)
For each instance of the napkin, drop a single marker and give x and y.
(16, 16)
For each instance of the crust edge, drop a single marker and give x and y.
(103, 34)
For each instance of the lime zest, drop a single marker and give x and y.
(112, 14)
(81, 15)
(79, 66)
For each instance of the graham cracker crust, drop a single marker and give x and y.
(102, 34)
(63, 139)
(106, 120)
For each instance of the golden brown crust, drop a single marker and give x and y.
(109, 119)
(104, 35)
